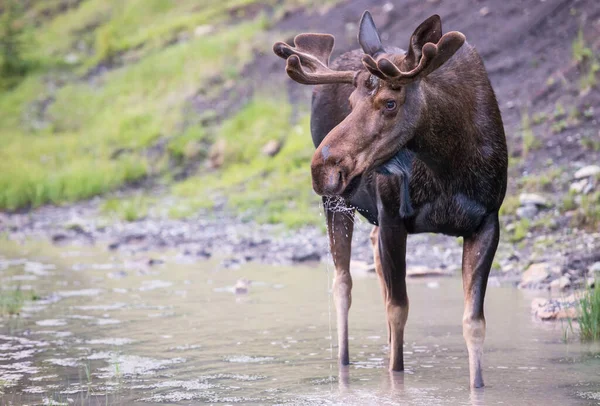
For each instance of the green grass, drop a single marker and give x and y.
(529, 141)
(510, 205)
(569, 202)
(589, 314)
(130, 209)
(267, 189)
(12, 301)
(93, 137)
(520, 231)
(67, 136)
(584, 55)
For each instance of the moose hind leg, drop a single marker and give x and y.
(340, 225)
(478, 254)
(392, 253)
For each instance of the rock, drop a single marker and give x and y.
(533, 199)
(59, 237)
(271, 148)
(419, 271)
(528, 211)
(579, 186)
(556, 309)
(594, 269)
(591, 282)
(202, 30)
(71, 58)
(216, 156)
(241, 287)
(232, 263)
(483, 11)
(561, 283)
(534, 275)
(587, 172)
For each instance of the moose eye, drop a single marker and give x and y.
(390, 105)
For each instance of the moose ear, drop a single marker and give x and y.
(368, 37)
(429, 30)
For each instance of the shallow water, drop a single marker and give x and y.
(114, 330)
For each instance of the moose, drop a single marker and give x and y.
(414, 141)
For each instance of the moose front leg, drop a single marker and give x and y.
(377, 260)
(340, 225)
(478, 253)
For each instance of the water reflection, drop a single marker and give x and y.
(179, 334)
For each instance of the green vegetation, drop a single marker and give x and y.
(13, 64)
(569, 202)
(510, 205)
(590, 141)
(520, 231)
(108, 104)
(584, 56)
(130, 209)
(589, 314)
(69, 133)
(528, 138)
(12, 300)
(269, 189)
(590, 210)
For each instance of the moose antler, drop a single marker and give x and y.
(308, 60)
(432, 57)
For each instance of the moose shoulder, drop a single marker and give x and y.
(414, 141)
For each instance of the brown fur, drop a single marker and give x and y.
(425, 121)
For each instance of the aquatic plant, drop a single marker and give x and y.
(11, 301)
(589, 314)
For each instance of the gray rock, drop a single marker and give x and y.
(533, 199)
(587, 172)
(594, 268)
(579, 186)
(561, 283)
(528, 211)
(534, 275)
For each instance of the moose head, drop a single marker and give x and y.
(387, 104)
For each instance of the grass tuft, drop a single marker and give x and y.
(12, 301)
(589, 314)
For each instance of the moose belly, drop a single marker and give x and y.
(455, 215)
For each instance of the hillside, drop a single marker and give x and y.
(174, 108)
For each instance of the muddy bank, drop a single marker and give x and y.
(567, 253)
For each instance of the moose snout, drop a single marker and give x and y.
(328, 178)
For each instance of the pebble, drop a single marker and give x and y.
(533, 199)
(528, 211)
(594, 268)
(578, 186)
(419, 271)
(587, 172)
(534, 275)
(561, 283)
(271, 148)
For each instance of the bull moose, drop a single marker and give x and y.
(412, 140)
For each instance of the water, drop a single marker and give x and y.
(117, 331)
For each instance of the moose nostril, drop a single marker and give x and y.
(334, 182)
